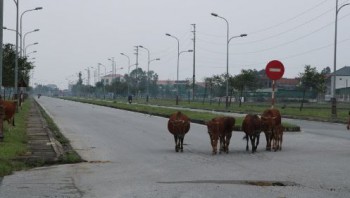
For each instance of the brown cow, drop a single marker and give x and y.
(251, 125)
(269, 120)
(178, 125)
(9, 110)
(277, 137)
(220, 128)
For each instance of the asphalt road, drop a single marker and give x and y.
(132, 155)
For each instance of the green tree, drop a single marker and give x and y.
(311, 80)
(246, 80)
(24, 67)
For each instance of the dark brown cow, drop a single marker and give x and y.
(178, 125)
(220, 128)
(277, 137)
(9, 110)
(269, 120)
(251, 125)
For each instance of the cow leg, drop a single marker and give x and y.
(228, 138)
(252, 140)
(268, 141)
(176, 143)
(182, 143)
(257, 141)
(214, 144)
(222, 144)
(281, 139)
(247, 138)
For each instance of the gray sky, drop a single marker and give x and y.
(77, 34)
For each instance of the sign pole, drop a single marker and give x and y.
(273, 94)
(274, 70)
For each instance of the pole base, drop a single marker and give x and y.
(334, 107)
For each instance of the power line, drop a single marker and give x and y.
(290, 19)
(289, 42)
(304, 52)
(286, 31)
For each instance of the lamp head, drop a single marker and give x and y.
(167, 34)
(214, 14)
(38, 8)
(243, 35)
(36, 30)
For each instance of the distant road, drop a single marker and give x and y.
(132, 155)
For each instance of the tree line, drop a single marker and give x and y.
(8, 70)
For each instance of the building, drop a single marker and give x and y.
(342, 79)
(342, 83)
(110, 77)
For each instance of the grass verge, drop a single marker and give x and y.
(195, 116)
(14, 143)
(70, 155)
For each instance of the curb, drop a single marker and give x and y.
(43, 147)
(237, 128)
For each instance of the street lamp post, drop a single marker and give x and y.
(104, 83)
(16, 55)
(22, 44)
(114, 76)
(334, 99)
(128, 72)
(24, 40)
(25, 49)
(177, 73)
(13, 30)
(31, 52)
(148, 63)
(227, 53)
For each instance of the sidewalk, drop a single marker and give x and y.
(42, 145)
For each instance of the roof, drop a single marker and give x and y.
(344, 71)
(113, 76)
(165, 82)
(288, 81)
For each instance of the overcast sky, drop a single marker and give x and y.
(77, 34)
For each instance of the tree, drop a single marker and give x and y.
(326, 70)
(310, 80)
(247, 79)
(24, 67)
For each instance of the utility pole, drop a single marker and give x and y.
(194, 61)
(137, 63)
(16, 58)
(1, 58)
(1, 36)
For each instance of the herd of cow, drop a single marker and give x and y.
(220, 130)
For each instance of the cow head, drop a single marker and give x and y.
(267, 123)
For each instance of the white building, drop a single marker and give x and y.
(110, 77)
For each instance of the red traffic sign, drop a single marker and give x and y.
(274, 70)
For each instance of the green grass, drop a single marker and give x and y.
(315, 111)
(200, 117)
(14, 144)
